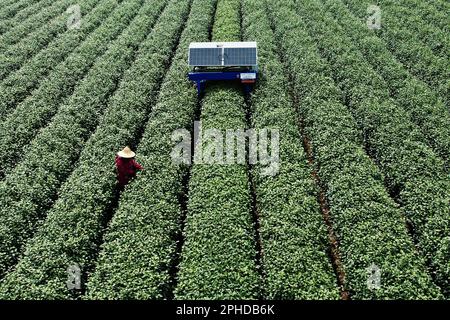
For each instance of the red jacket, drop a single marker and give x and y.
(126, 170)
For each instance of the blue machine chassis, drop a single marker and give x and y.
(200, 78)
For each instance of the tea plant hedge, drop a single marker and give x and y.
(426, 108)
(21, 125)
(140, 247)
(80, 212)
(31, 188)
(40, 68)
(369, 226)
(30, 24)
(15, 55)
(218, 259)
(412, 52)
(18, 11)
(410, 168)
(294, 240)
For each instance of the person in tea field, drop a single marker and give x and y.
(126, 166)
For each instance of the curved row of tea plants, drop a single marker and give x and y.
(437, 40)
(15, 55)
(369, 225)
(293, 234)
(4, 5)
(73, 227)
(12, 16)
(21, 125)
(411, 169)
(416, 56)
(30, 189)
(10, 8)
(434, 12)
(440, 5)
(139, 244)
(20, 84)
(33, 22)
(218, 259)
(426, 109)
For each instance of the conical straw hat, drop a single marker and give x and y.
(126, 153)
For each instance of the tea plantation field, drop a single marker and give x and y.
(359, 206)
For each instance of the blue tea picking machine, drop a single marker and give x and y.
(223, 61)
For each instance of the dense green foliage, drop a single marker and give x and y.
(392, 139)
(13, 57)
(297, 267)
(360, 118)
(32, 186)
(5, 10)
(14, 14)
(139, 245)
(409, 15)
(31, 23)
(434, 12)
(82, 204)
(20, 84)
(11, 8)
(426, 109)
(219, 253)
(367, 217)
(409, 50)
(21, 125)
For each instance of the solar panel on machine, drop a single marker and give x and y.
(205, 57)
(228, 54)
(239, 56)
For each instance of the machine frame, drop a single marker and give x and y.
(246, 74)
